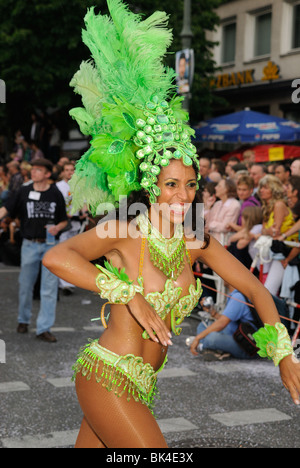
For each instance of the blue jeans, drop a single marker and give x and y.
(31, 257)
(222, 341)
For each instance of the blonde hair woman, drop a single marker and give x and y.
(277, 216)
(277, 219)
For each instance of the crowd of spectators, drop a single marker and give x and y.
(254, 210)
(41, 140)
(13, 175)
(35, 213)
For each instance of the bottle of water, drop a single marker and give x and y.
(50, 238)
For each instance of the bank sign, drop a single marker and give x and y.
(245, 77)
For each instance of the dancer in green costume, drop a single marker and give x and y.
(141, 152)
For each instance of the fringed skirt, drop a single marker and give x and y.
(119, 374)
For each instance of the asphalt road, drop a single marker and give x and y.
(235, 403)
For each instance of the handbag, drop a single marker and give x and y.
(244, 338)
(279, 246)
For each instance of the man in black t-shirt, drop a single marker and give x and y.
(40, 207)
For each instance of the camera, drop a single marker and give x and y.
(208, 302)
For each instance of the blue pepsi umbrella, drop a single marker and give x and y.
(249, 127)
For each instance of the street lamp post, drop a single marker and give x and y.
(186, 33)
(186, 39)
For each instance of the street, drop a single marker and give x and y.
(202, 404)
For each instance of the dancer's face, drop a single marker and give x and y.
(178, 185)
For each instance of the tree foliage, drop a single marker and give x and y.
(203, 18)
(41, 48)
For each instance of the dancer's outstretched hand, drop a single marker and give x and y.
(290, 376)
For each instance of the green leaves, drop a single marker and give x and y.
(41, 48)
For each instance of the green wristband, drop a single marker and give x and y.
(273, 342)
(114, 288)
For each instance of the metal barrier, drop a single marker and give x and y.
(219, 282)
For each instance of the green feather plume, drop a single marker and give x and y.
(125, 73)
(118, 273)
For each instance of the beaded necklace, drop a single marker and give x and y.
(166, 254)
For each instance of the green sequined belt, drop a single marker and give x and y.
(118, 373)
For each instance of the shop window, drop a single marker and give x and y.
(296, 27)
(228, 42)
(263, 24)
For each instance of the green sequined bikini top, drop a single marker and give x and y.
(169, 301)
(164, 303)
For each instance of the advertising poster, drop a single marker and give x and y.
(184, 70)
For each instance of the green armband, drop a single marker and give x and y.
(115, 285)
(273, 342)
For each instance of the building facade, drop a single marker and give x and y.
(259, 56)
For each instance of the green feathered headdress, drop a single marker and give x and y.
(127, 109)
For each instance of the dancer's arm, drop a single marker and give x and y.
(71, 261)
